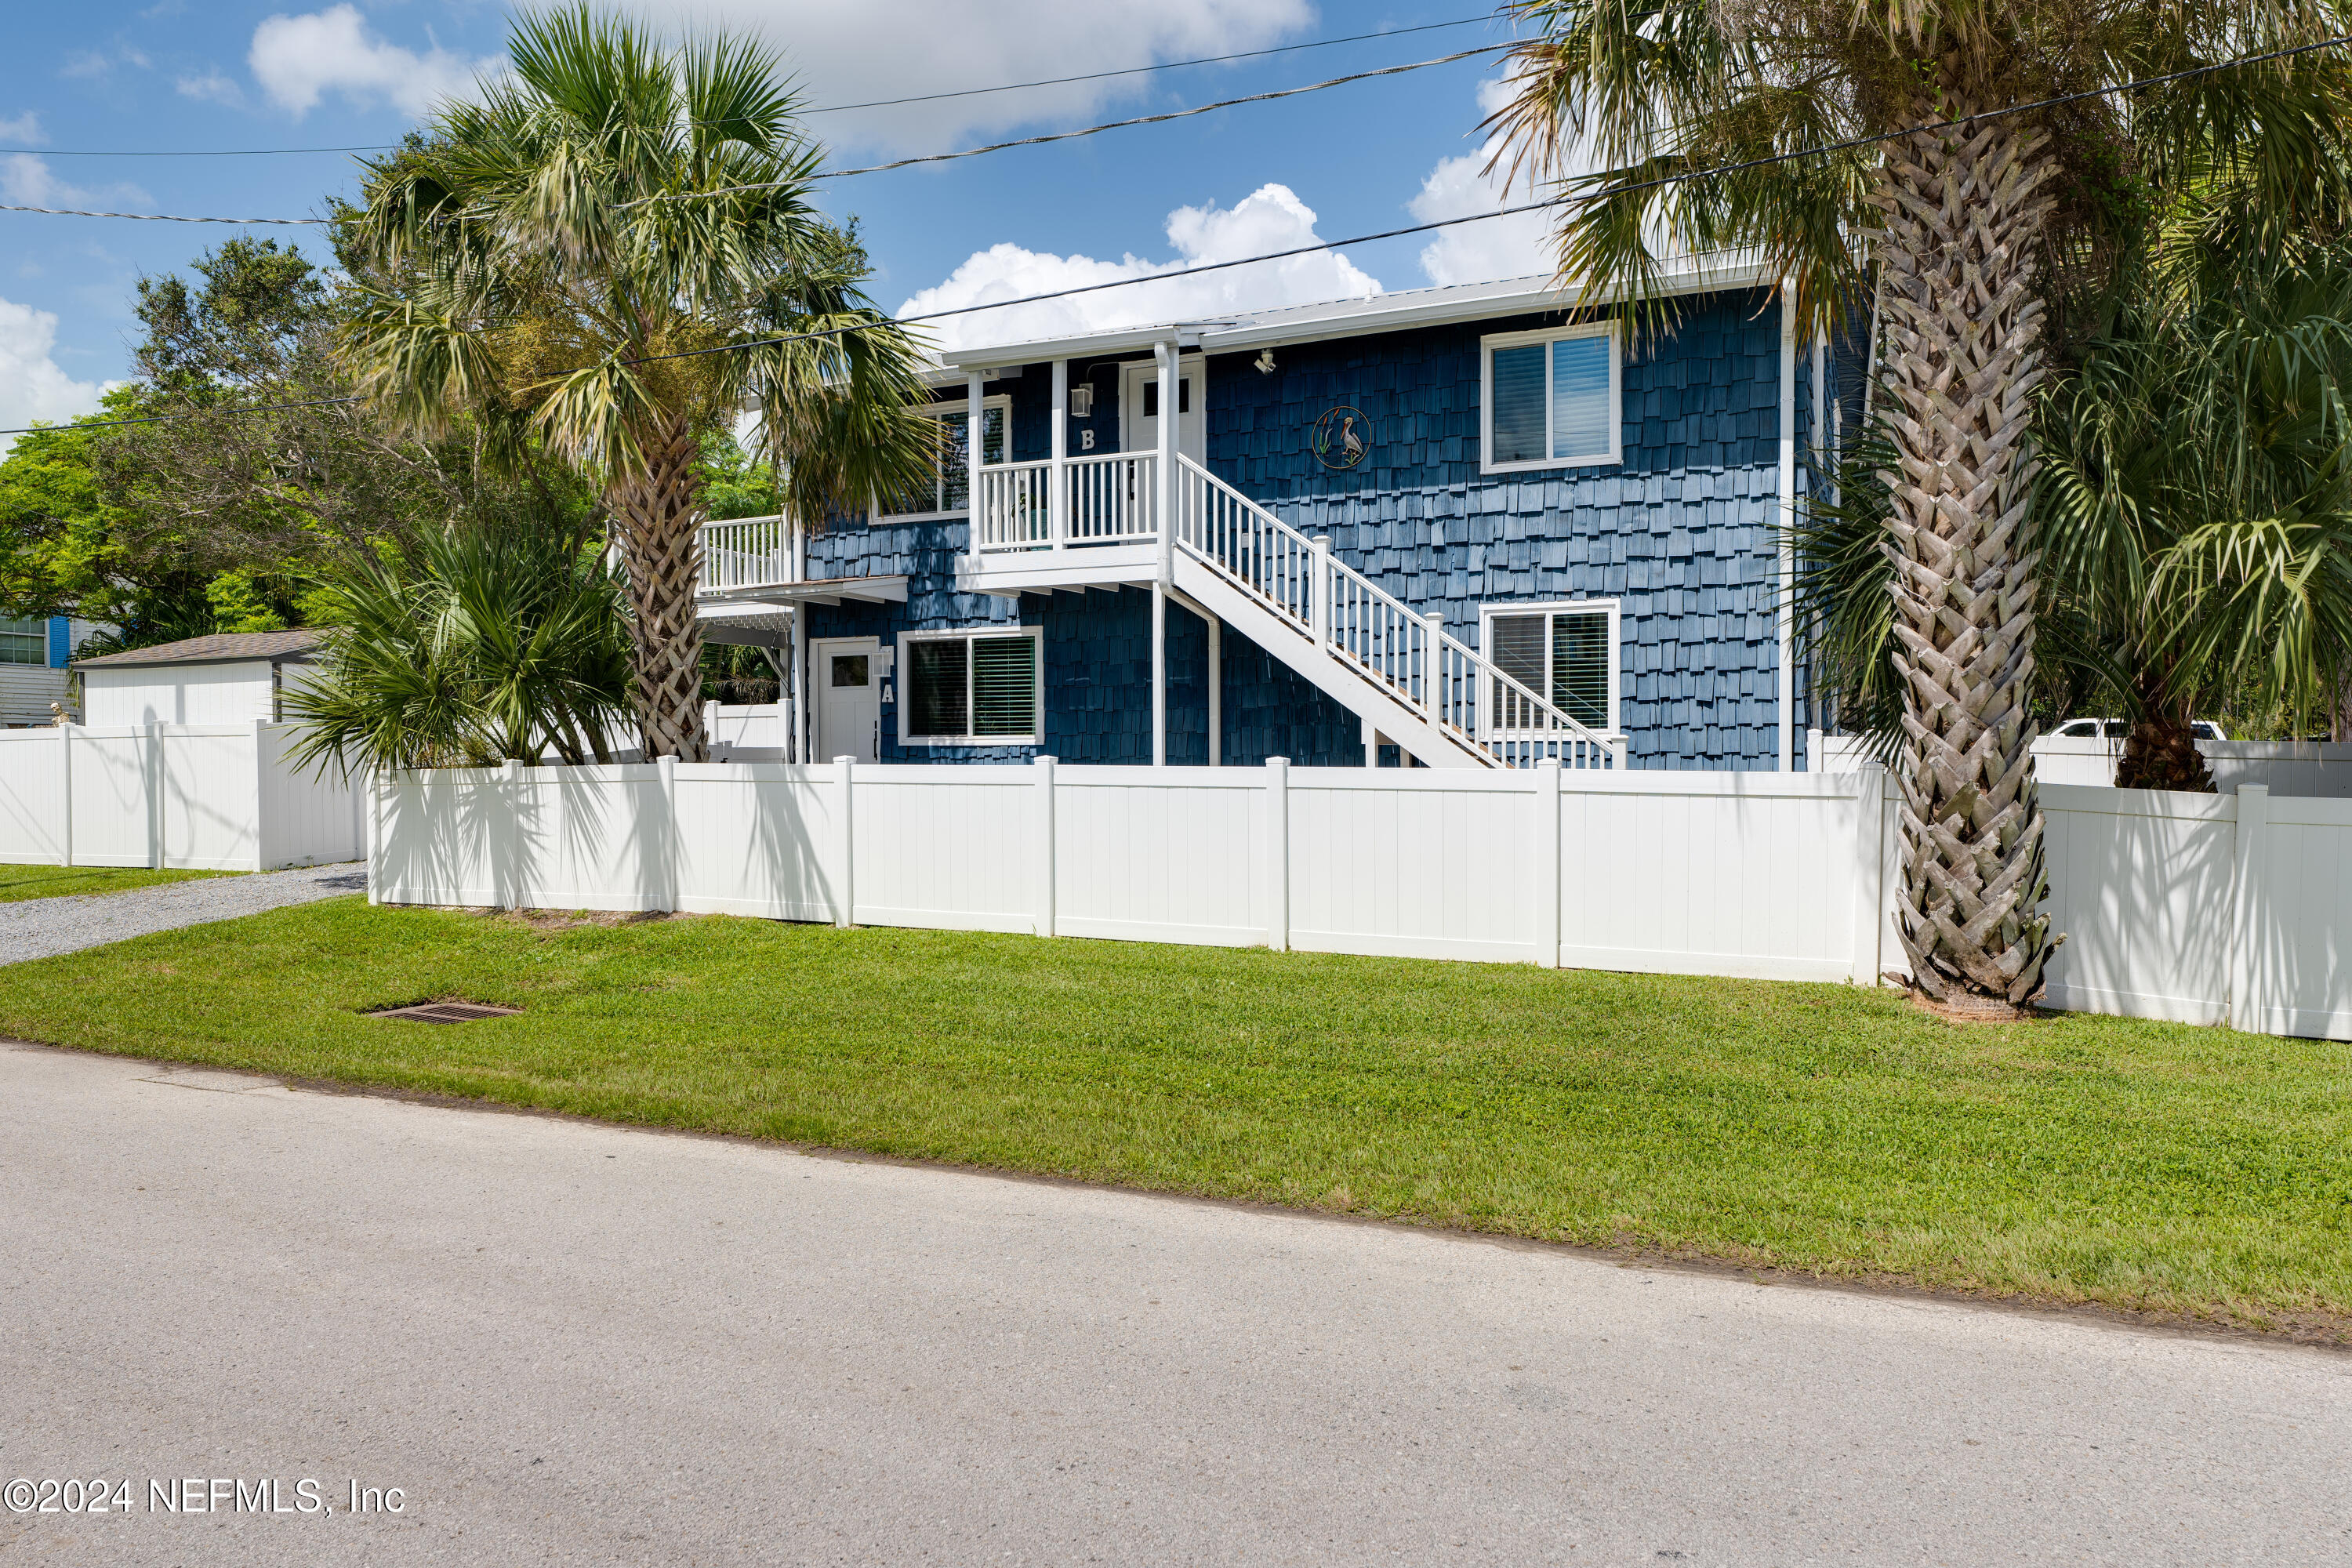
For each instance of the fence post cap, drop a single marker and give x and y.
(1044, 759)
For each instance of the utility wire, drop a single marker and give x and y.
(876, 169)
(1138, 70)
(1545, 204)
(1109, 125)
(827, 109)
(157, 218)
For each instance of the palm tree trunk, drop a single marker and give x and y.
(660, 512)
(1964, 209)
(2161, 752)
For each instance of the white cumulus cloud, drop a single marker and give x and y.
(32, 387)
(212, 88)
(1514, 247)
(300, 59)
(1269, 219)
(857, 51)
(25, 127)
(26, 180)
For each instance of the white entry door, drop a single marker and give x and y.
(1139, 408)
(847, 675)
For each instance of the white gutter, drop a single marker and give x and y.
(1348, 318)
(1785, 681)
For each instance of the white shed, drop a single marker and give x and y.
(230, 677)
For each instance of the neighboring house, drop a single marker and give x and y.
(230, 677)
(1460, 523)
(34, 656)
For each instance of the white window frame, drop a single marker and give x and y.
(906, 671)
(1487, 613)
(30, 628)
(961, 409)
(1486, 347)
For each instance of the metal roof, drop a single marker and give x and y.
(1349, 318)
(220, 647)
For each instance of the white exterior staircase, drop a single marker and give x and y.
(1443, 701)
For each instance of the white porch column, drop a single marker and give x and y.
(972, 424)
(1216, 693)
(1158, 673)
(1784, 690)
(1171, 403)
(1057, 498)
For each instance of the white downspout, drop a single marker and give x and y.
(1785, 679)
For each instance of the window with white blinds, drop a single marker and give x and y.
(1550, 400)
(1565, 653)
(977, 689)
(948, 493)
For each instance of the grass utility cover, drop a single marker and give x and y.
(446, 1012)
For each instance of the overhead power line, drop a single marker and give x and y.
(157, 218)
(876, 169)
(1849, 145)
(1087, 130)
(825, 109)
(1139, 71)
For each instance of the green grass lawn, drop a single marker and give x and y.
(1813, 1128)
(55, 881)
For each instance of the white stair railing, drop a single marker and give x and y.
(1454, 687)
(746, 552)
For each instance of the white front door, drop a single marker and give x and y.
(1139, 408)
(847, 675)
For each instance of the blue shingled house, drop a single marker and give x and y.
(1456, 527)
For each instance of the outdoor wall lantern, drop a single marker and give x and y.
(1082, 400)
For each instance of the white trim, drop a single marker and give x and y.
(1487, 612)
(958, 408)
(1037, 635)
(1362, 318)
(1486, 347)
(1784, 679)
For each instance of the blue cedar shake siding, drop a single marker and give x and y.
(1681, 534)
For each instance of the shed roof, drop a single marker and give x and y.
(220, 647)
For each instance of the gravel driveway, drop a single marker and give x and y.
(38, 927)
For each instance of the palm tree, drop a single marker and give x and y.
(1973, 248)
(2198, 505)
(477, 641)
(600, 255)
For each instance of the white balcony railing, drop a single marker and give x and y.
(746, 552)
(1106, 500)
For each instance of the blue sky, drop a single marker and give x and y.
(189, 74)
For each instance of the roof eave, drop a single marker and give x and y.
(1698, 278)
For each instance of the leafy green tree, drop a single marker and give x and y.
(614, 251)
(1976, 250)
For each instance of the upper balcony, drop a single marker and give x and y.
(754, 566)
(1095, 525)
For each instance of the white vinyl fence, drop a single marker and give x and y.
(1770, 874)
(205, 797)
(2203, 909)
(2208, 909)
(2314, 768)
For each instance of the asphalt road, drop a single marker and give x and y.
(581, 1344)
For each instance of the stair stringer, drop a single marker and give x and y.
(1367, 699)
